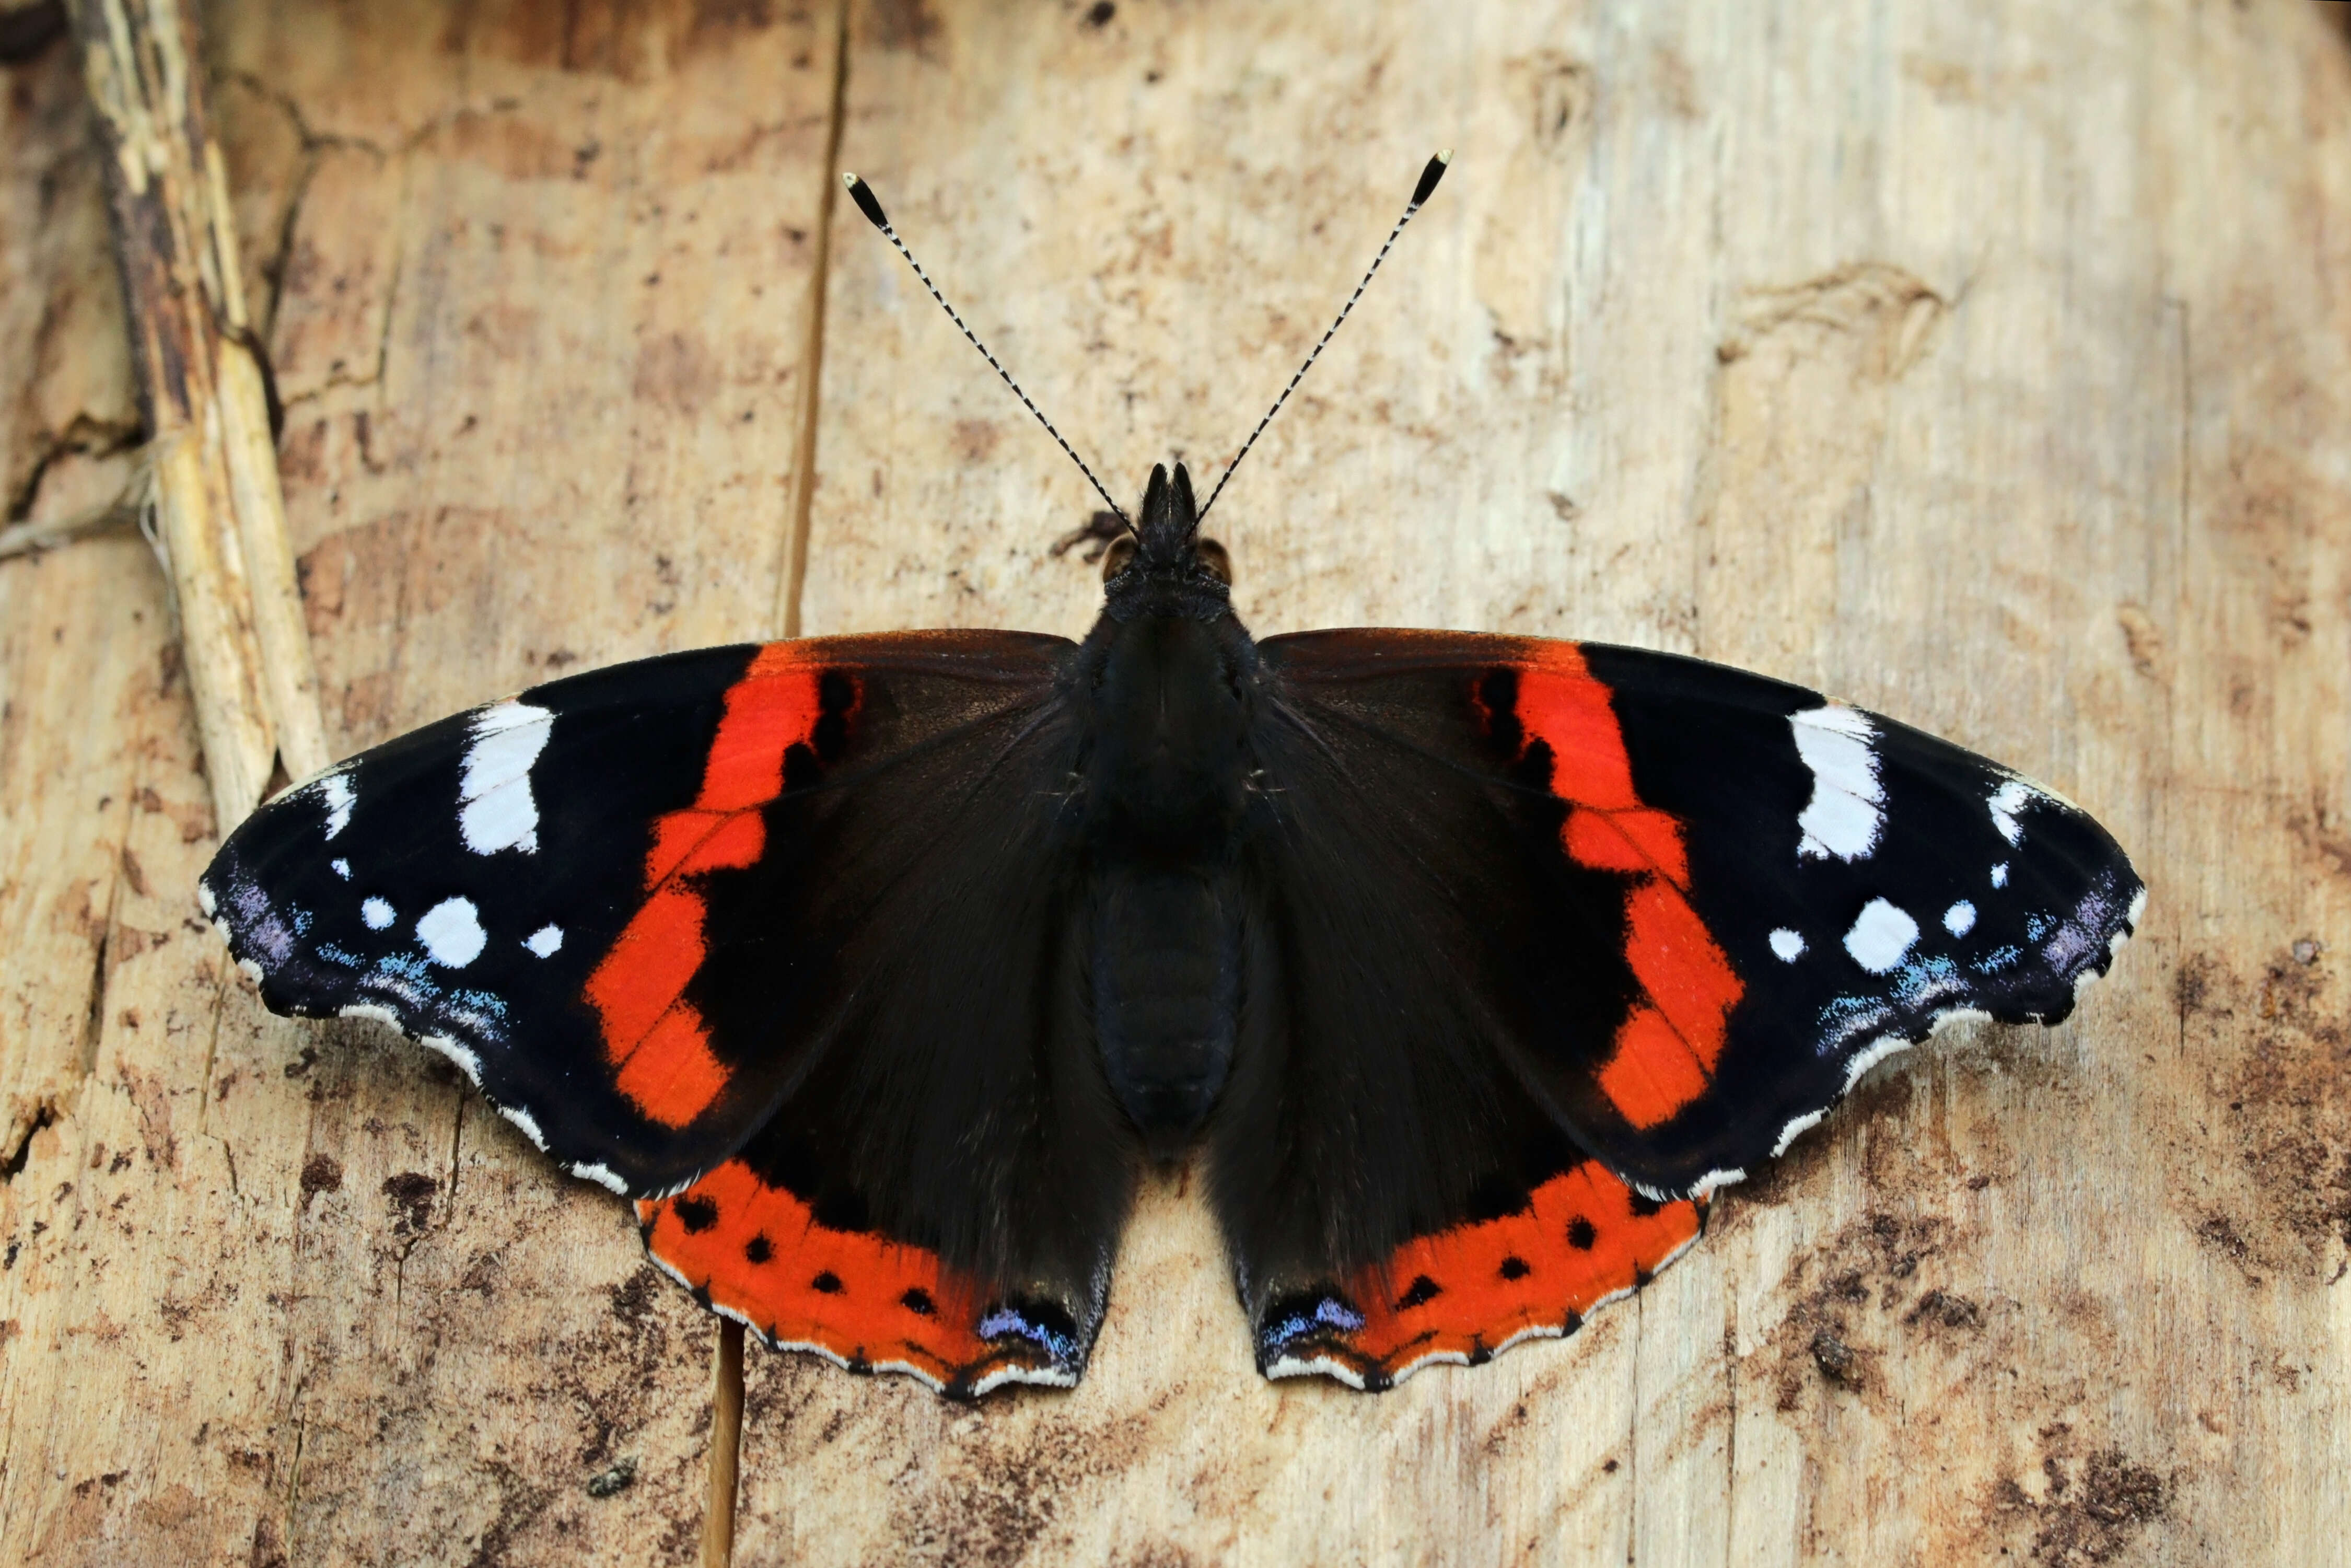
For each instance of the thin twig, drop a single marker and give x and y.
(31, 539)
(726, 1445)
(216, 499)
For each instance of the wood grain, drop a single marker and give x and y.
(307, 1302)
(1982, 364)
(1894, 348)
(209, 472)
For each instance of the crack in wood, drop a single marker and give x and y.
(13, 1159)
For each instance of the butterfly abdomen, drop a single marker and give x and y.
(1167, 725)
(1167, 985)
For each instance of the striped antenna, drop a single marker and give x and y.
(863, 195)
(1420, 193)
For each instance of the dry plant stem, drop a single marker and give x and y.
(812, 375)
(217, 505)
(217, 635)
(289, 680)
(726, 1446)
(31, 539)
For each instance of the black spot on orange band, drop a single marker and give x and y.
(760, 1253)
(1582, 1237)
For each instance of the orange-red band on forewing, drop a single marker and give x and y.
(1560, 701)
(760, 1254)
(1468, 1291)
(1664, 1054)
(1675, 959)
(1653, 1072)
(671, 1074)
(641, 978)
(653, 1037)
(1638, 840)
(771, 709)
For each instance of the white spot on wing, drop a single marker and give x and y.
(1960, 918)
(527, 1121)
(1045, 1376)
(375, 914)
(602, 1176)
(1843, 818)
(342, 869)
(2000, 874)
(2006, 801)
(496, 809)
(467, 1062)
(1787, 945)
(1797, 1129)
(546, 941)
(336, 790)
(1881, 934)
(452, 932)
(1863, 1061)
(206, 900)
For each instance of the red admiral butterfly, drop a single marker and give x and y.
(875, 969)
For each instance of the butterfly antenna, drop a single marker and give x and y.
(863, 195)
(1420, 193)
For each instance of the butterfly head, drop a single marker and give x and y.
(1164, 566)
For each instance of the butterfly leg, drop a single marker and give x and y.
(1096, 534)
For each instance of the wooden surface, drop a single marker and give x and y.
(1986, 365)
(209, 470)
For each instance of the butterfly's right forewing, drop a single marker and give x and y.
(777, 940)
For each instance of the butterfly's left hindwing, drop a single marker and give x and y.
(773, 938)
(1659, 910)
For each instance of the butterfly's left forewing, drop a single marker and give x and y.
(772, 938)
(1657, 912)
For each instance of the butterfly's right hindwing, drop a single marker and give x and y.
(789, 923)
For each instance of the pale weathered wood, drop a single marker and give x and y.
(542, 288)
(1919, 351)
(327, 1310)
(1982, 364)
(66, 411)
(212, 476)
(114, 1255)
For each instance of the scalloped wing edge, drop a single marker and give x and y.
(1887, 1046)
(1355, 1378)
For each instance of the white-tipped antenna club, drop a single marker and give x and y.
(867, 203)
(1427, 187)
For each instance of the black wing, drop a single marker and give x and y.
(785, 923)
(1533, 903)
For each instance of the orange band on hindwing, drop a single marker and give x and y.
(1584, 1238)
(1664, 1051)
(1581, 1239)
(757, 1251)
(654, 1040)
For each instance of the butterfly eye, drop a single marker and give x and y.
(1114, 560)
(1220, 563)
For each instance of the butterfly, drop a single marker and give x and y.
(876, 970)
